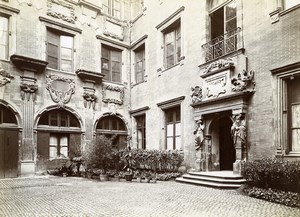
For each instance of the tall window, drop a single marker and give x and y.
(3, 37)
(140, 64)
(293, 91)
(58, 146)
(141, 131)
(60, 50)
(111, 62)
(172, 44)
(223, 20)
(173, 126)
(290, 3)
(113, 128)
(112, 8)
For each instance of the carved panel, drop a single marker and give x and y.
(61, 10)
(219, 64)
(5, 77)
(113, 29)
(197, 94)
(216, 85)
(112, 94)
(60, 89)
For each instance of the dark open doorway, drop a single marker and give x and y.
(227, 150)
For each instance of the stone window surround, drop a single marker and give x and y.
(48, 23)
(10, 13)
(280, 115)
(279, 10)
(161, 27)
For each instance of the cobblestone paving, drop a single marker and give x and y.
(58, 196)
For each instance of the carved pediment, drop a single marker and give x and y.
(60, 89)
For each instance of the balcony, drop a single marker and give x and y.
(223, 45)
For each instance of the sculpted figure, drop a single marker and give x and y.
(199, 134)
(238, 130)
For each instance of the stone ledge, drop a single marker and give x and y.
(28, 63)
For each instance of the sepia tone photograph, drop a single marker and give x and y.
(149, 108)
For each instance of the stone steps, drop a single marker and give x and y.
(216, 179)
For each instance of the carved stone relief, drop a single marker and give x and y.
(5, 77)
(112, 94)
(216, 87)
(197, 94)
(28, 90)
(221, 63)
(243, 82)
(60, 89)
(61, 10)
(113, 29)
(89, 100)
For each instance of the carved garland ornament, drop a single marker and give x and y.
(71, 19)
(222, 63)
(57, 89)
(5, 77)
(112, 88)
(28, 90)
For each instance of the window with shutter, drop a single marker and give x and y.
(172, 43)
(140, 64)
(173, 128)
(111, 63)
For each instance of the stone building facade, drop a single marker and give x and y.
(217, 79)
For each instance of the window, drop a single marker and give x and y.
(173, 128)
(113, 128)
(60, 50)
(59, 118)
(3, 37)
(290, 3)
(293, 100)
(141, 131)
(7, 116)
(112, 8)
(140, 64)
(172, 44)
(58, 146)
(111, 62)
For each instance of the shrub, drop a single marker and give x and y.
(273, 173)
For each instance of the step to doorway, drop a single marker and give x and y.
(216, 179)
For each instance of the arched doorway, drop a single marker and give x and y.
(9, 137)
(58, 138)
(223, 150)
(227, 150)
(114, 128)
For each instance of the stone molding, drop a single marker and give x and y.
(106, 98)
(50, 12)
(91, 76)
(28, 63)
(59, 96)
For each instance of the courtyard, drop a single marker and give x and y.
(72, 196)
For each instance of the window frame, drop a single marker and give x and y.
(141, 128)
(173, 112)
(59, 34)
(282, 116)
(111, 50)
(58, 145)
(111, 8)
(141, 49)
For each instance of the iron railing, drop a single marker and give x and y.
(222, 45)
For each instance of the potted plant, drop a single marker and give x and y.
(129, 175)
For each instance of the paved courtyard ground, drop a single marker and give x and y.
(70, 196)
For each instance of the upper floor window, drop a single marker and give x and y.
(4, 37)
(111, 63)
(112, 8)
(141, 131)
(290, 3)
(140, 64)
(173, 128)
(60, 50)
(172, 44)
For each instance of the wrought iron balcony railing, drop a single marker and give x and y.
(222, 45)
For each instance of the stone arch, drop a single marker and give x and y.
(15, 111)
(110, 114)
(49, 108)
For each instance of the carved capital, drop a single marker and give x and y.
(89, 100)
(28, 90)
(5, 77)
